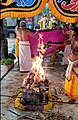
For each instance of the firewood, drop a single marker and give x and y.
(42, 117)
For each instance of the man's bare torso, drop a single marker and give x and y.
(23, 34)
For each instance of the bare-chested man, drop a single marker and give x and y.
(74, 54)
(73, 62)
(22, 32)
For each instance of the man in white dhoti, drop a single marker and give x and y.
(73, 62)
(25, 61)
(73, 57)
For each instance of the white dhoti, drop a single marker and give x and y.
(25, 61)
(69, 68)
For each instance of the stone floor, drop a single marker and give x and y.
(11, 85)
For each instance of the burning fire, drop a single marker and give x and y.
(35, 88)
(37, 64)
(37, 70)
(35, 85)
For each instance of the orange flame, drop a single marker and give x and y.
(37, 64)
(37, 69)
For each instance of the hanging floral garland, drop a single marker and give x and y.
(21, 8)
(64, 10)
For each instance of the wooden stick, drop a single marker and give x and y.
(26, 117)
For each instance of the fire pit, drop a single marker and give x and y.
(35, 93)
(35, 87)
